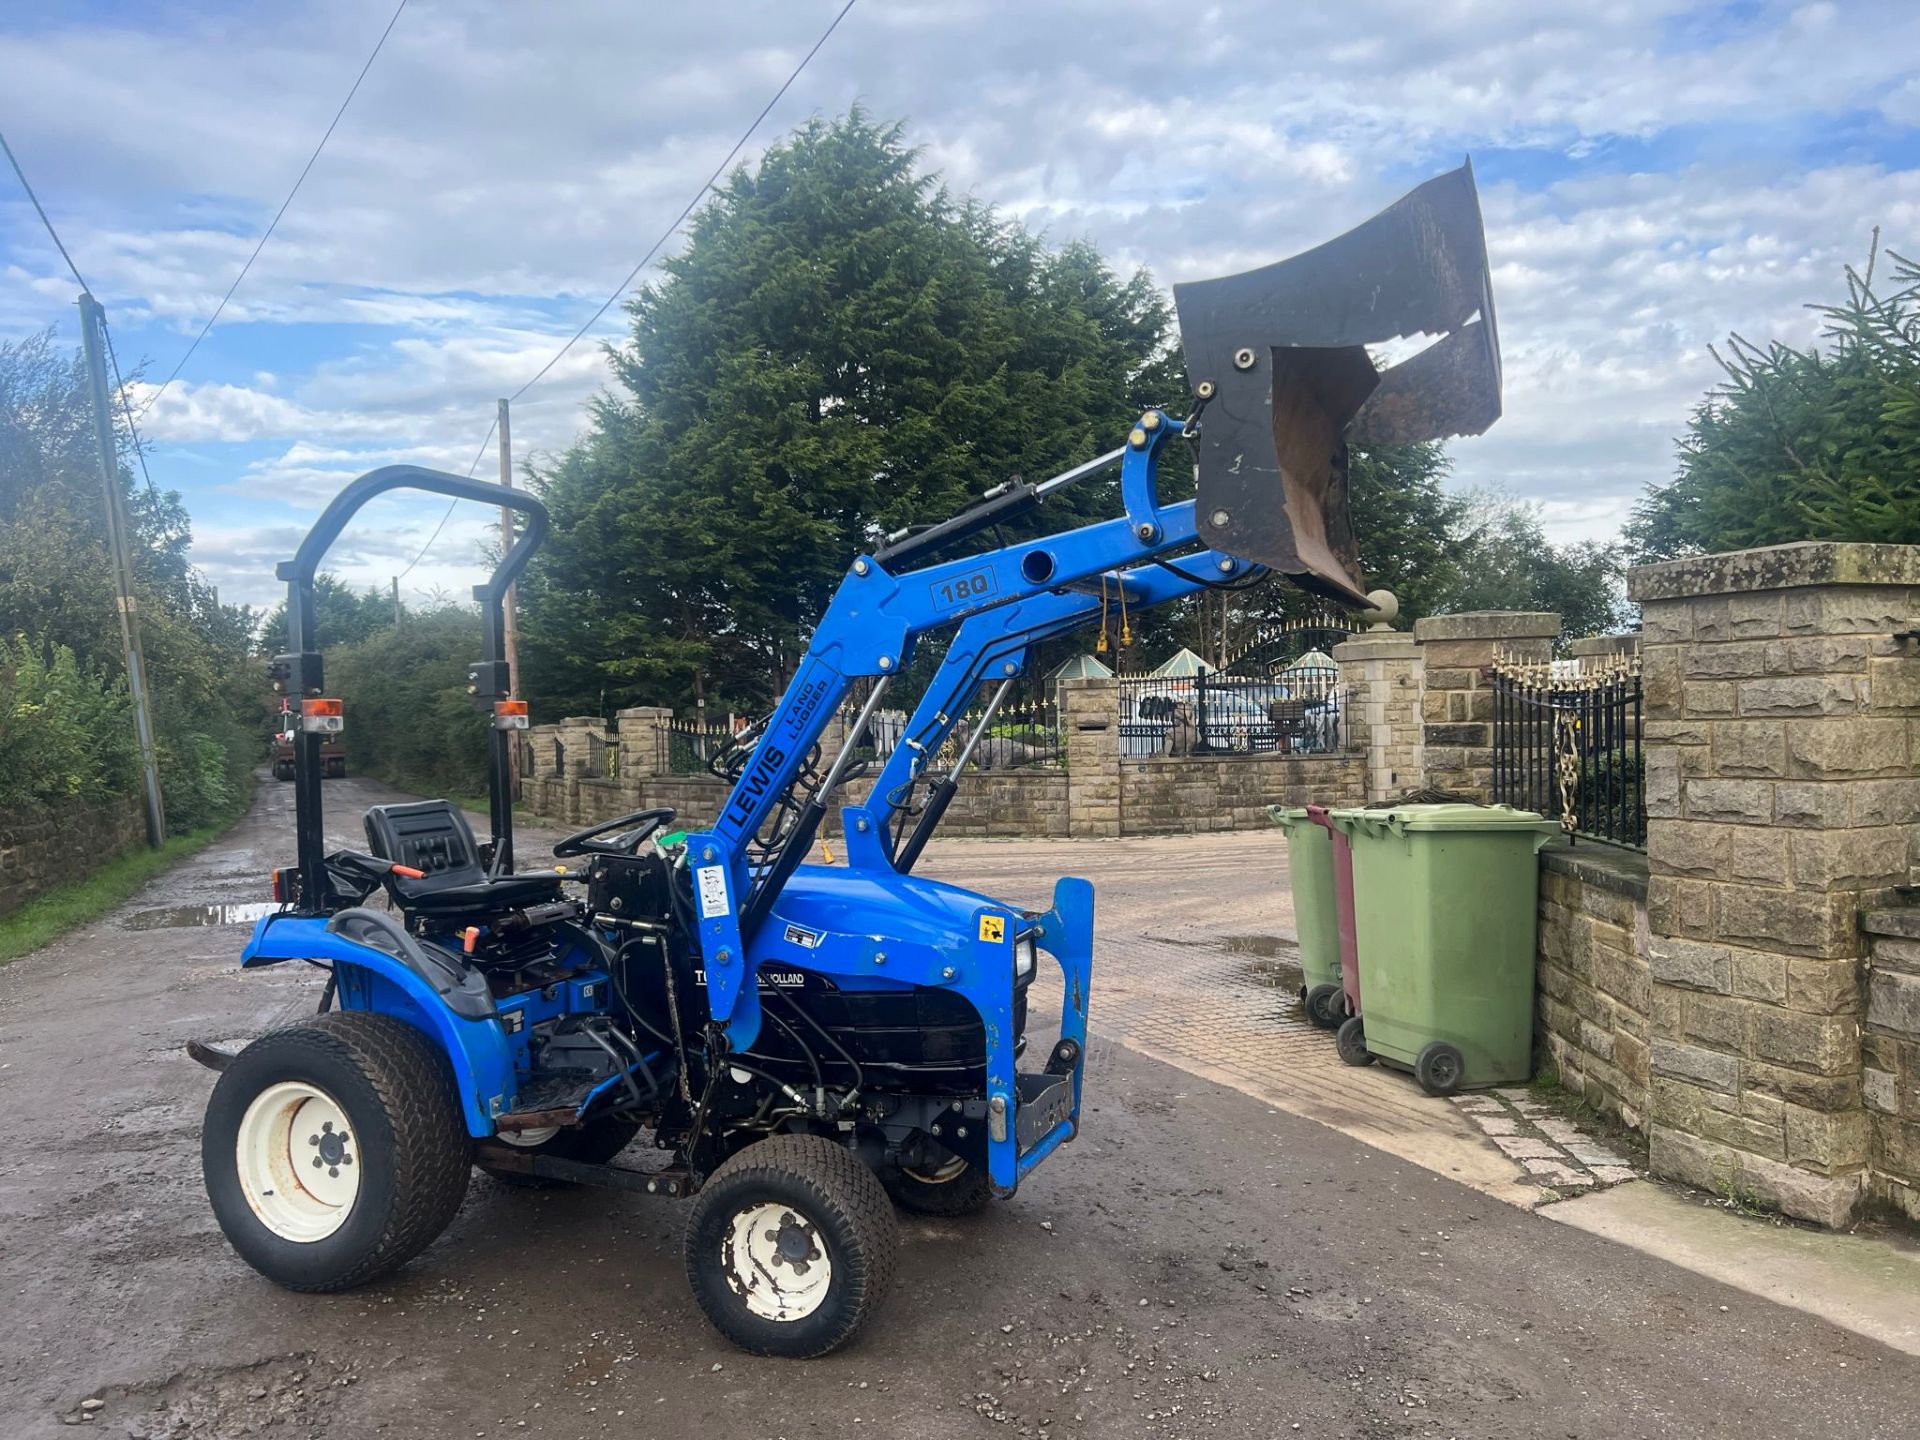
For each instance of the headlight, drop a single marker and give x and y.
(1026, 956)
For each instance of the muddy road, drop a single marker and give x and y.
(1196, 1264)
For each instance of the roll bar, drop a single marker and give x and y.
(301, 672)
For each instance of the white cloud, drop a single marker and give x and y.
(504, 165)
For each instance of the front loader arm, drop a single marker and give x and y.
(869, 630)
(1279, 363)
(995, 646)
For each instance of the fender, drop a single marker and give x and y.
(386, 983)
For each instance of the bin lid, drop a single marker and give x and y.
(1457, 817)
(1287, 816)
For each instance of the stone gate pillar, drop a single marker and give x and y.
(1090, 718)
(1457, 705)
(643, 742)
(1781, 793)
(1381, 679)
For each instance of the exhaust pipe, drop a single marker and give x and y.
(1278, 362)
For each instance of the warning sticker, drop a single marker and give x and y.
(713, 891)
(993, 929)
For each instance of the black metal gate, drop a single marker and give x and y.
(1566, 742)
(1280, 694)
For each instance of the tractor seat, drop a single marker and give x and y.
(433, 835)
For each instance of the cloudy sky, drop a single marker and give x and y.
(1654, 174)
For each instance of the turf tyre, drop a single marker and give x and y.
(396, 1091)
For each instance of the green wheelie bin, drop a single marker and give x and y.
(1316, 916)
(1446, 901)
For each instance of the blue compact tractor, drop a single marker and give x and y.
(809, 1045)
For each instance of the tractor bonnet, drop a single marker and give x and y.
(1278, 356)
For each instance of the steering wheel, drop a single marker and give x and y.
(630, 832)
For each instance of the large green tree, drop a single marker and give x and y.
(57, 604)
(1814, 444)
(842, 349)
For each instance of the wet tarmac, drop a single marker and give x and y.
(176, 917)
(1196, 1264)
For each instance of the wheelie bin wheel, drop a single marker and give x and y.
(791, 1246)
(936, 1181)
(594, 1143)
(333, 1151)
(1438, 1067)
(1323, 1006)
(1351, 1042)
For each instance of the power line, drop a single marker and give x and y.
(645, 260)
(120, 389)
(26, 185)
(105, 333)
(274, 223)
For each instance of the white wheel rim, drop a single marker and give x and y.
(777, 1261)
(299, 1161)
(528, 1139)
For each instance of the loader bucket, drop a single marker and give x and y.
(1278, 357)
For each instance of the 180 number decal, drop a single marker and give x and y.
(975, 585)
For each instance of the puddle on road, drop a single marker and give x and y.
(1267, 947)
(1273, 963)
(172, 917)
(1270, 975)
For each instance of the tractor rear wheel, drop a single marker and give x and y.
(333, 1150)
(935, 1181)
(791, 1246)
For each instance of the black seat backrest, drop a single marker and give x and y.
(429, 835)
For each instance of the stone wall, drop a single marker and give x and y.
(1097, 795)
(1781, 798)
(1002, 804)
(1891, 1078)
(68, 843)
(1166, 795)
(1593, 983)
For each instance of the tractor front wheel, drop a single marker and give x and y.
(791, 1246)
(333, 1151)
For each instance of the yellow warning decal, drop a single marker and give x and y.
(993, 929)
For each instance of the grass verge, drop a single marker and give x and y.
(41, 921)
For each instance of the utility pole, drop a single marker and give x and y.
(396, 604)
(511, 629)
(92, 323)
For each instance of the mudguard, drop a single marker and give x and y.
(1278, 356)
(387, 982)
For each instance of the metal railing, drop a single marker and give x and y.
(603, 758)
(1567, 743)
(1294, 711)
(1023, 734)
(687, 747)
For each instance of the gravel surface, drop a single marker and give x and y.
(1196, 1264)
